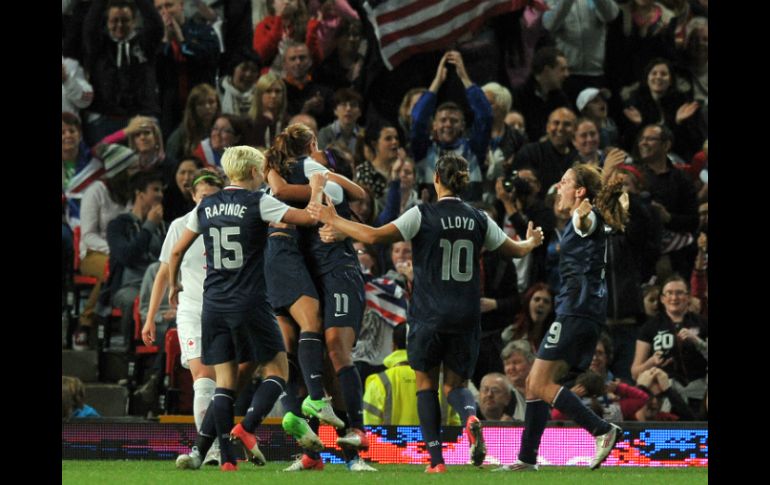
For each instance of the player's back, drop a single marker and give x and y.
(446, 252)
(234, 235)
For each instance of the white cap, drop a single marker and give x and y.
(588, 94)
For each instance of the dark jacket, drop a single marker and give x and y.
(536, 109)
(123, 79)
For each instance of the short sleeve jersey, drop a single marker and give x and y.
(447, 238)
(660, 332)
(234, 226)
(581, 266)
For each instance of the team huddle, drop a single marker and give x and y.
(282, 279)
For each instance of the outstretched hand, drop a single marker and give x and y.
(535, 233)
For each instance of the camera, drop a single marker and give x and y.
(517, 185)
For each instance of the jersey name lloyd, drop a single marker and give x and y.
(237, 210)
(458, 222)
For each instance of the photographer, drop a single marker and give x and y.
(519, 201)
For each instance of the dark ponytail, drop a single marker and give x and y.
(453, 172)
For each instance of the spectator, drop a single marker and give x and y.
(651, 295)
(586, 142)
(367, 258)
(381, 144)
(102, 202)
(535, 317)
(495, 395)
(542, 93)
(76, 91)
(144, 137)
(304, 94)
(405, 111)
(121, 62)
(449, 127)
(73, 394)
(135, 239)
(693, 68)
(657, 100)
(673, 198)
(288, 22)
(401, 195)
(268, 109)
(579, 29)
(504, 140)
(675, 341)
(75, 157)
(344, 130)
(306, 120)
(237, 90)
(664, 404)
(554, 155)
(202, 109)
(515, 120)
(642, 31)
(386, 302)
(227, 131)
(188, 57)
(591, 103)
(517, 360)
(342, 68)
(177, 198)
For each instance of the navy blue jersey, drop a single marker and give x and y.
(322, 257)
(447, 238)
(581, 266)
(234, 226)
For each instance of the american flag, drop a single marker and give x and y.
(385, 297)
(407, 27)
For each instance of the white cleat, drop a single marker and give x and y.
(359, 465)
(517, 466)
(189, 461)
(604, 445)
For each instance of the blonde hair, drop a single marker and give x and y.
(501, 94)
(263, 84)
(238, 161)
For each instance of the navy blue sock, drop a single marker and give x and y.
(535, 418)
(462, 401)
(347, 453)
(290, 400)
(571, 405)
(310, 353)
(314, 424)
(262, 402)
(207, 433)
(352, 394)
(223, 419)
(429, 412)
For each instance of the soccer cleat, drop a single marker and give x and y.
(229, 467)
(440, 468)
(359, 465)
(189, 461)
(304, 462)
(214, 456)
(321, 409)
(355, 438)
(478, 449)
(604, 445)
(300, 430)
(249, 443)
(518, 466)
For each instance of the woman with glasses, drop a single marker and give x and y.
(228, 130)
(675, 340)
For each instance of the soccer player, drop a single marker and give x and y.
(581, 311)
(336, 272)
(188, 316)
(238, 323)
(444, 317)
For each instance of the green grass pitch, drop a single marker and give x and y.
(163, 472)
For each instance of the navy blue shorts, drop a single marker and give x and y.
(428, 348)
(571, 339)
(248, 336)
(286, 275)
(342, 297)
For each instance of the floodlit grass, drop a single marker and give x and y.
(163, 472)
